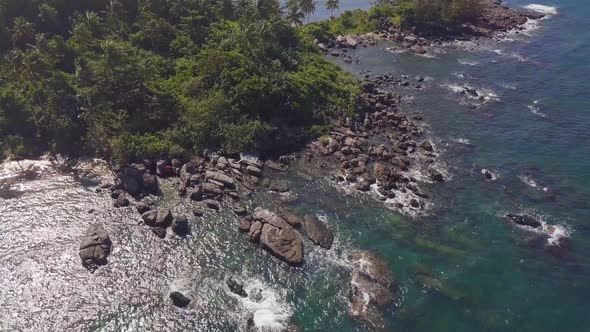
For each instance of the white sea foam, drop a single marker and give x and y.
(468, 62)
(487, 94)
(459, 75)
(535, 109)
(548, 10)
(461, 140)
(495, 175)
(508, 86)
(529, 181)
(269, 308)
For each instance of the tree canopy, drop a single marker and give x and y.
(127, 79)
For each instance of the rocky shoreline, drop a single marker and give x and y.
(497, 21)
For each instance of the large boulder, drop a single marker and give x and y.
(180, 225)
(164, 218)
(318, 232)
(285, 243)
(236, 287)
(290, 217)
(95, 247)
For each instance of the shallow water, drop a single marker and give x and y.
(488, 274)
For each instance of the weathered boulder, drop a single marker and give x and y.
(286, 243)
(280, 186)
(212, 204)
(318, 232)
(255, 231)
(95, 247)
(143, 207)
(211, 189)
(159, 232)
(253, 170)
(179, 300)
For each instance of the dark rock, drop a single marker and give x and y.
(435, 175)
(180, 225)
(212, 204)
(95, 247)
(198, 212)
(164, 218)
(150, 217)
(275, 166)
(240, 210)
(179, 300)
(143, 207)
(115, 193)
(524, 220)
(427, 146)
(159, 232)
(197, 194)
(318, 232)
(236, 287)
(122, 201)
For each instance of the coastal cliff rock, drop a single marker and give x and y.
(95, 247)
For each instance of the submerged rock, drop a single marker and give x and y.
(122, 200)
(180, 225)
(95, 247)
(318, 232)
(524, 220)
(179, 300)
(236, 287)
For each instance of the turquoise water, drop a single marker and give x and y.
(536, 126)
(461, 268)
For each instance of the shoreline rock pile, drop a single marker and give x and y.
(377, 153)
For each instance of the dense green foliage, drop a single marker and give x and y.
(124, 79)
(403, 14)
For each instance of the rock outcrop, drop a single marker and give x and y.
(318, 232)
(95, 247)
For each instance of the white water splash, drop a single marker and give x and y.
(269, 308)
(467, 62)
(548, 10)
(461, 140)
(535, 109)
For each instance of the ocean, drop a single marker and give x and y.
(461, 267)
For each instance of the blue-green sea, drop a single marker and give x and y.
(460, 268)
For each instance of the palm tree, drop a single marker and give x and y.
(23, 33)
(294, 16)
(307, 7)
(332, 5)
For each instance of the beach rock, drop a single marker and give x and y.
(122, 200)
(286, 243)
(240, 210)
(524, 220)
(198, 212)
(136, 180)
(318, 232)
(373, 266)
(179, 300)
(95, 247)
(164, 218)
(253, 170)
(427, 146)
(197, 194)
(236, 287)
(180, 225)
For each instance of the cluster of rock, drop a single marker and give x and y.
(496, 19)
(340, 46)
(160, 219)
(277, 233)
(371, 288)
(380, 149)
